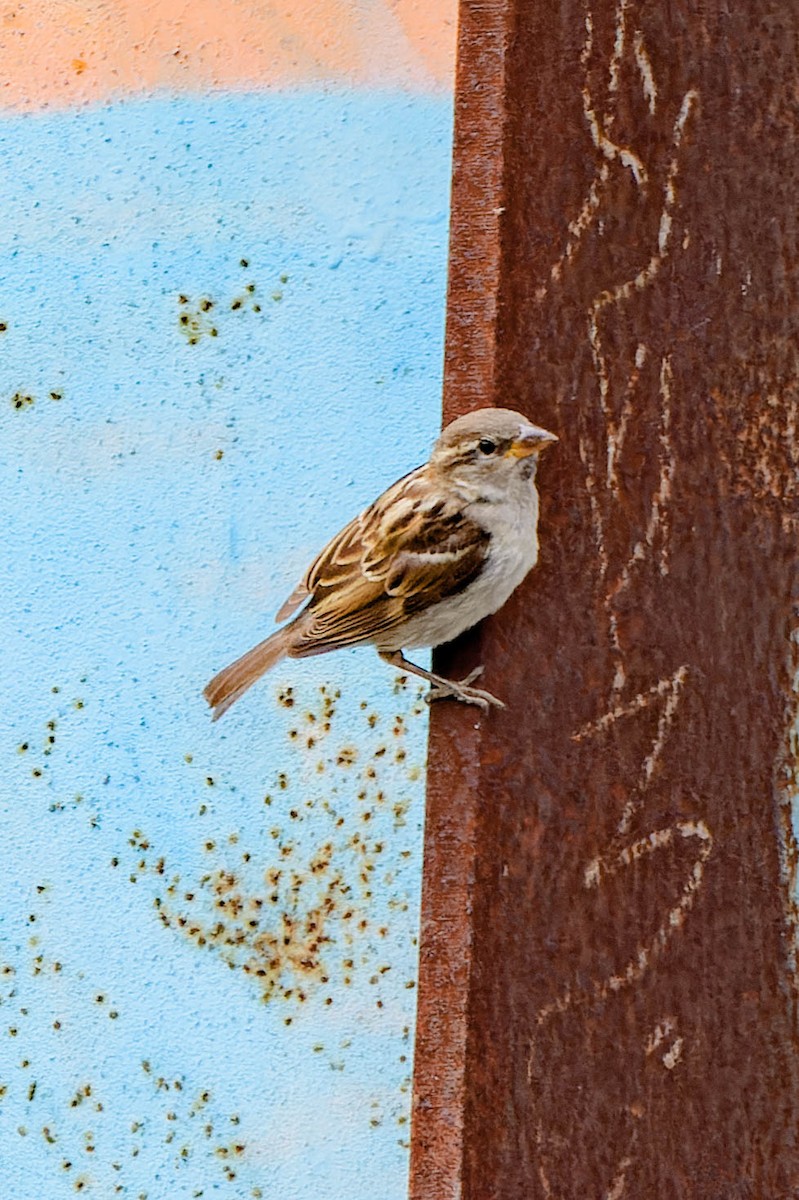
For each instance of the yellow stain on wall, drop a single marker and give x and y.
(57, 53)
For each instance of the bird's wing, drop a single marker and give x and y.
(340, 555)
(409, 550)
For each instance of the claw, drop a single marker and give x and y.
(445, 689)
(460, 690)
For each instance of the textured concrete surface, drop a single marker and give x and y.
(221, 335)
(56, 53)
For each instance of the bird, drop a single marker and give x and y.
(438, 551)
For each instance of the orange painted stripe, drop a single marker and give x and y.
(55, 53)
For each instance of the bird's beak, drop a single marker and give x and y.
(532, 439)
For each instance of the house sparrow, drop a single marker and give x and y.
(441, 549)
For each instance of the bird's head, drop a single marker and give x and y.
(488, 451)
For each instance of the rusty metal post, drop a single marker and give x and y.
(607, 1000)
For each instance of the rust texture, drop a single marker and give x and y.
(607, 1001)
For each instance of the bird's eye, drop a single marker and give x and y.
(487, 446)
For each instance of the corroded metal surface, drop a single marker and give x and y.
(607, 1003)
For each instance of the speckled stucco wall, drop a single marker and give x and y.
(221, 311)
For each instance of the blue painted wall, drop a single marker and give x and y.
(223, 336)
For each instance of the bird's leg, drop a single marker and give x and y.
(445, 688)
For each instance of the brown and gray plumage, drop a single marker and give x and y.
(441, 549)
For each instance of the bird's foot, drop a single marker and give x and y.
(460, 690)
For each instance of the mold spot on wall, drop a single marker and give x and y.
(169, 1120)
(42, 746)
(196, 321)
(205, 316)
(296, 912)
(20, 401)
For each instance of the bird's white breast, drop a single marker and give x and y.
(512, 552)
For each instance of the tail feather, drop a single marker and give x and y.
(226, 687)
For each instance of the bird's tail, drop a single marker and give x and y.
(226, 687)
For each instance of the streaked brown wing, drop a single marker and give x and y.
(341, 554)
(410, 549)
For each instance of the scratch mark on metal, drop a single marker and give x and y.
(618, 1185)
(645, 68)
(618, 54)
(598, 129)
(616, 431)
(581, 223)
(642, 960)
(658, 511)
(645, 955)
